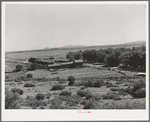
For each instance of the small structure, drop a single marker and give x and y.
(141, 74)
(78, 63)
(54, 66)
(61, 60)
(67, 65)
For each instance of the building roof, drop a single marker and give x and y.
(54, 65)
(67, 63)
(78, 61)
(38, 60)
(141, 73)
(61, 60)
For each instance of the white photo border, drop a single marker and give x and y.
(73, 115)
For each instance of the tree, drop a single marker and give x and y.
(19, 68)
(29, 75)
(11, 100)
(71, 80)
(74, 55)
(31, 60)
(90, 55)
(34, 66)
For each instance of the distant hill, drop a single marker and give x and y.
(136, 42)
(97, 47)
(72, 46)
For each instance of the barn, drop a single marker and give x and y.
(78, 63)
(54, 66)
(67, 65)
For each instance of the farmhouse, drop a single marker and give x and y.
(54, 66)
(67, 65)
(44, 61)
(78, 63)
(61, 60)
(71, 64)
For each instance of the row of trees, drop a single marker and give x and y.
(135, 57)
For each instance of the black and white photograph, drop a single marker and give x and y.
(86, 60)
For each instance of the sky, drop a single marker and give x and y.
(37, 26)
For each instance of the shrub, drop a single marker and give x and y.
(110, 95)
(65, 93)
(31, 60)
(57, 87)
(40, 96)
(138, 90)
(48, 95)
(112, 85)
(90, 83)
(34, 66)
(84, 93)
(71, 100)
(17, 79)
(89, 105)
(138, 85)
(82, 88)
(24, 78)
(29, 85)
(71, 80)
(33, 102)
(11, 100)
(125, 104)
(15, 90)
(115, 89)
(55, 103)
(139, 93)
(97, 97)
(19, 68)
(29, 75)
(42, 107)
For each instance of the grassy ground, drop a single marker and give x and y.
(45, 86)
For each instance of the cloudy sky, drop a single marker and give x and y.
(37, 26)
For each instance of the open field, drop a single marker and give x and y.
(44, 81)
(88, 87)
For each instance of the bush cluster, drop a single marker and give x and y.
(19, 68)
(40, 96)
(110, 95)
(29, 85)
(85, 93)
(138, 90)
(71, 80)
(112, 85)
(29, 75)
(57, 87)
(16, 90)
(91, 83)
(65, 93)
(21, 78)
(33, 102)
(11, 100)
(91, 105)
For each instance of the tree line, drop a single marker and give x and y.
(135, 57)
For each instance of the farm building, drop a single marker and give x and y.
(44, 61)
(67, 65)
(73, 64)
(54, 66)
(61, 60)
(78, 63)
(141, 74)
